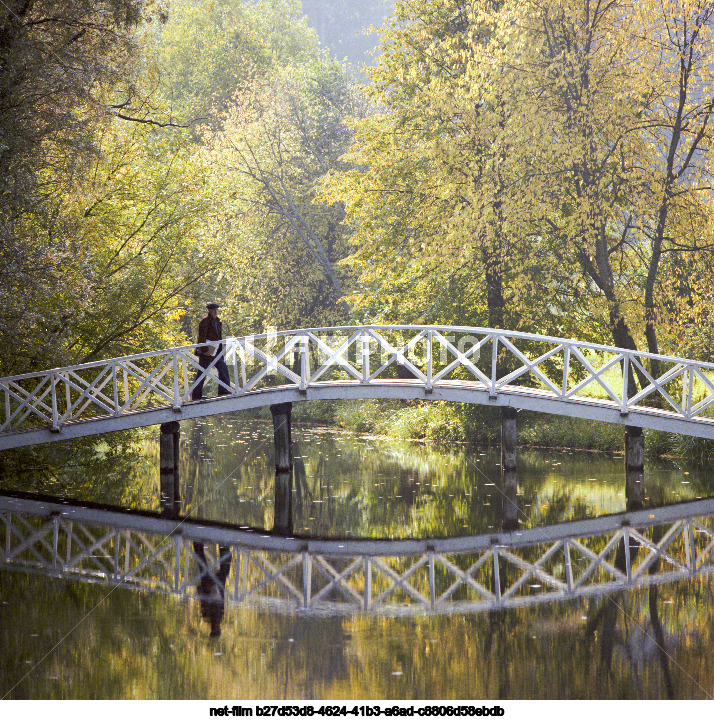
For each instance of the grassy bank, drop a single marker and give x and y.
(463, 423)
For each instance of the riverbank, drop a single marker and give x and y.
(463, 423)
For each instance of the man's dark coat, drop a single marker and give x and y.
(208, 330)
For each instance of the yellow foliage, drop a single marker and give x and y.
(550, 152)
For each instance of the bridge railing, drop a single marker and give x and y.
(439, 575)
(493, 361)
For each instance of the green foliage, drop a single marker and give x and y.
(443, 422)
(474, 424)
(128, 229)
(433, 420)
(314, 412)
(546, 431)
(699, 451)
(440, 234)
(50, 118)
(210, 51)
(81, 469)
(281, 138)
(141, 211)
(500, 184)
(365, 416)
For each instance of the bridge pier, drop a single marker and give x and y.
(507, 504)
(634, 468)
(509, 477)
(169, 469)
(282, 439)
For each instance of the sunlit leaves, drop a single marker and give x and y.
(558, 149)
(142, 210)
(282, 136)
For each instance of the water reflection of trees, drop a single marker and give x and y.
(625, 647)
(648, 643)
(155, 647)
(293, 661)
(116, 470)
(226, 472)
(150, 646)
(344, 484)
(604, 616)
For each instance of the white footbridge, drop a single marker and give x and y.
(445, 363)
(383, 577)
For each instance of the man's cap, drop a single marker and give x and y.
(211, 306)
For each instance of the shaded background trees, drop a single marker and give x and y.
(277, 144)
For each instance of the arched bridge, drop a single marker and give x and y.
(494, 571)
(468, 365)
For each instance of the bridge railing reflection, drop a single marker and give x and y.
(441, 575)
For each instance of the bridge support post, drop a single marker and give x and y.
(634, 468)
(282, 438)
(169, 469)
(506, 505)
(509, 478)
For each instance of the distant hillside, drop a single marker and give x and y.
(339, 26)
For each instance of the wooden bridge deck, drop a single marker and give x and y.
(550, 375)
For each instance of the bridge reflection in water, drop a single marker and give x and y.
(145, 551)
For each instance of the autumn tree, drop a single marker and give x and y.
(578, 114)
(59, 64)
(440, 234)
(678, 125)
(615, 110)
(280, 139)
(549, 148)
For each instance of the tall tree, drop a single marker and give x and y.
(430, 189)
(59, 63)
(616, 106)
(580, 104)
(679, 126)
(282, 137)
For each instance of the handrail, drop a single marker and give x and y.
(476, 330)
(433, 357)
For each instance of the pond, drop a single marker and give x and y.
(66, 639)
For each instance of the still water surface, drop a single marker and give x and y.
(62, 639)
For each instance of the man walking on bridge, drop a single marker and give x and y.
(210, 330)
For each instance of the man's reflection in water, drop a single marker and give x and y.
(210, 593)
